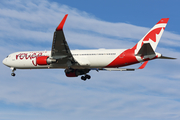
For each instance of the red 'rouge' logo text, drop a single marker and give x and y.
(26, 56)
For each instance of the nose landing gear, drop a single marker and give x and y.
(85, 77)
(13, 74)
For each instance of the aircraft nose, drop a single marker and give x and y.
(4, 61)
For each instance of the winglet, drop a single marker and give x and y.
(143, 65)
(60, 27)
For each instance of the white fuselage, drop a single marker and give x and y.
(91, 58)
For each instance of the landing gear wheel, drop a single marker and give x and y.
(13, 69)
(83, 78)
(13, 74)
(88, 76)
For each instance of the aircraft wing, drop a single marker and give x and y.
(60, 49)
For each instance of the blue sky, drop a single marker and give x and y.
(152, 93)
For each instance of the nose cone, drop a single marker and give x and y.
(5, 61)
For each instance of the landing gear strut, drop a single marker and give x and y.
(85, 77)
(13, 74)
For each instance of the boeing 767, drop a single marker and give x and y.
(80, 62)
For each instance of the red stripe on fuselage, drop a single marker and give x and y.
(125, 58)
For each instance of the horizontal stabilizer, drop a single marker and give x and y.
(164, 57)
(146, 49)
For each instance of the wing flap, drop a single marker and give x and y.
(117, 69)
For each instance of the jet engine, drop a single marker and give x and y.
(75, 72)
(44, 60)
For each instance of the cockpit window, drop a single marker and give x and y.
(8, 56)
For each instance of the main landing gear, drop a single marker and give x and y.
(85, 77)
(13, 74)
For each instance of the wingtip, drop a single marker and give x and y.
(143, 65)
(60, 26)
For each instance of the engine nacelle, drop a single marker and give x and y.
(44, 60)
(71, 74)
(75, 72)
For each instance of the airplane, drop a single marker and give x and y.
(80, 62)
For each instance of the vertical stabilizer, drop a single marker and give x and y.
(153, 36)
